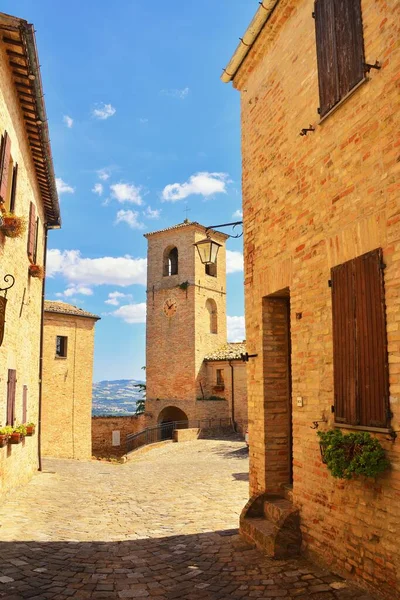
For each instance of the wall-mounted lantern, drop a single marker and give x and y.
(9, 280)
(208, 249)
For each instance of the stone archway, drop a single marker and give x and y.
(171, 414)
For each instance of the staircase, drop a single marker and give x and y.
(272, 523)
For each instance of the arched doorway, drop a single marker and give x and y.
(170, 418)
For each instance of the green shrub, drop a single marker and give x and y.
(352, 454)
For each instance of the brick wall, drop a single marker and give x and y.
(240, 387)
(311, 203)
(20, 348)
(67, 387)
(102, 428)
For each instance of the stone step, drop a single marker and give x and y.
(277, 508)
(260, 532)
(288, 492)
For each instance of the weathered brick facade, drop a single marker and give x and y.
(67, 382)
(102, 433)
(311, 203)
(20, 349)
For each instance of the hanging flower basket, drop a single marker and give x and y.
(30, 429)
(36, 271)
(352, 454)
(12, 226)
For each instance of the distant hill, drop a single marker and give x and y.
(116, 397)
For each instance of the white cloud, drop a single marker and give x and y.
(104, 111)
(63, 188)
(126, 192)
(103, 174)
(236, 329)
(130, 217)
(75, 289)
(68, 121)
(205, 184)
(131, 313)
(107, 270)
(238, 214)
(152, 214)
(175, 93)
(97, 188)
(114, 298)
(234, 261)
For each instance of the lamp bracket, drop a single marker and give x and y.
(8, 278)
(233, 225)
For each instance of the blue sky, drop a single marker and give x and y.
(135, 106)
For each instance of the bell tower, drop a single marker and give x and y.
(186, 318)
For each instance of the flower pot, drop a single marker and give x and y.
(3, 440)
(30, 430)
(15, 438)
(13, 226)
(36, 271)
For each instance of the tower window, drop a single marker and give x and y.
(211, 269)
(170, 262)
(211, 306)
(61, 346)
(220, 377)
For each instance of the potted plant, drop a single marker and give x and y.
(5, 433)
(36, 271)
(352, 454)
(30, 429)
(12, 226)
(18, 434)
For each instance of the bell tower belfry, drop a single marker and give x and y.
(186, 318)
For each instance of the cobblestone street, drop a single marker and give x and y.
(162, 526)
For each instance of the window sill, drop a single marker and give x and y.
(60, 357)
(363, 428)
(344, 99)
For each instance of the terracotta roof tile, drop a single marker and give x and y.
(56, 306)
(186, 223)
(232, 351)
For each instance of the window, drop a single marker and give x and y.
(211, 306)
(61, 346)
(359, 342)
(211, 269)
(170, 261)
(220, 377)
(11, 384)
(31, 232)
(340, 49)
(13, 188)
(5, 167)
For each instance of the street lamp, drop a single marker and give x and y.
(208, 249)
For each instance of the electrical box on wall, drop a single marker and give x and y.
(299, 400)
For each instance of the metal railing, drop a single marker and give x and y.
(165, 431)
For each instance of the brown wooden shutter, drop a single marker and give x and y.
(24, 403)
(372, 358)
(326, 55)
(349, 44)
(14, 188)
(36, 240)
(4, 167)
(11, 384)
(344, 343)
(31, 230)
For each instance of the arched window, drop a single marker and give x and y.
(170, 266)
(211, 306)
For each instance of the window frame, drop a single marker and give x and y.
(63, 346)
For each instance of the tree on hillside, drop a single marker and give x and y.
(141, 403)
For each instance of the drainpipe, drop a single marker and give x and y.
(41, 352)
(232, 396)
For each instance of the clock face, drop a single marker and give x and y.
(170, 307)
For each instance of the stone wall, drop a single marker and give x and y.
(102, 433)
(20, 348)
(240, 387)
(311, 203)
(67, 387)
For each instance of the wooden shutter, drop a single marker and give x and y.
(14, 188)
(24, 403)
(36, 240)
(372, 358)
(11, 384)
(344, 343)
(4, 166)
(31, 230)
(349, 44)
(326, 55)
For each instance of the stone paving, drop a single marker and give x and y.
(163, 526)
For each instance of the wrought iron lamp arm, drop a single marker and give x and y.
(233, 225)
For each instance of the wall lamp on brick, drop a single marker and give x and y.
(208, 248)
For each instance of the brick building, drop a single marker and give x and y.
(189, 365)
(322, 270)
(68, 346)
(27, 191)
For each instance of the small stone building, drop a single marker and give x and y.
(321, 204)
(188, 362)
(27, 192)
(68, 342)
